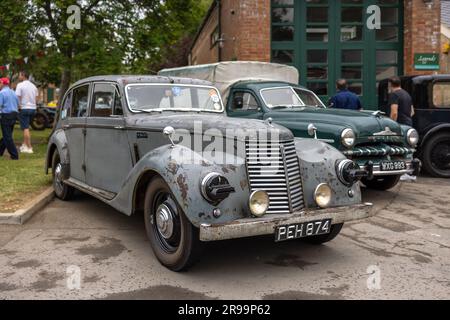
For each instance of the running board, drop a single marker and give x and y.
(98, 193)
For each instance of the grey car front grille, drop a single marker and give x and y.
(274, 168)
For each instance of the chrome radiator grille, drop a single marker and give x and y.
(274, 168)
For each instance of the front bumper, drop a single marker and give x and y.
(413, 167)
(266, 225)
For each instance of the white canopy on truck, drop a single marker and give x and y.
(226, 74)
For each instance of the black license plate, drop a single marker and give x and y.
(302, 230)
(393, 165)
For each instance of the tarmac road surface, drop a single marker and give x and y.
(401, 253)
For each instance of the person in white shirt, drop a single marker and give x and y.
(27, 93)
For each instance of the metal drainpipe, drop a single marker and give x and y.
(219, 27)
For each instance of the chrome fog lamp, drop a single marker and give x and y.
(322, 195)
(412, 137)
(259, 203)
(348, 138)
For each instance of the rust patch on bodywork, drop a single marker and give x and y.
(244, 184)
(184, 188)
(173, 167)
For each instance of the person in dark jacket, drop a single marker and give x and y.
(9, 104)
(345, 99)
(400, 102)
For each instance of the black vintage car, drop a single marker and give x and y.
(431, 98)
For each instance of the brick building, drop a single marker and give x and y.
(363, 41)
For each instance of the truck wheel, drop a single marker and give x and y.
(436, 155)
(174, 240)
(318, 240)
(382, 183)
(39, 122)
(62, 190)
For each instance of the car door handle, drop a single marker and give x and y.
(66, 126)
(119, 127)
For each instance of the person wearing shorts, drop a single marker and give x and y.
(27, 93)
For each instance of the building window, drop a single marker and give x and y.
(215, 37)
(327, 40)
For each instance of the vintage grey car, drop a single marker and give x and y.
(165, 148)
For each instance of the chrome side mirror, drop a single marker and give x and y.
(312, 131)
(168, 132)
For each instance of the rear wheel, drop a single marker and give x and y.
(62, 190)
(436, 155)
(324, 238)
(382, 183)
(39, 122)
(174, 240)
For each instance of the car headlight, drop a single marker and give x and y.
(348, 138)
(412, 137)
(259, 203)
(215, 188)
(343, 169)
(322, 195)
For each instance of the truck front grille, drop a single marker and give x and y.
(274, 168)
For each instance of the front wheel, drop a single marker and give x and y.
(382, 183)
(324, 238)
(436, 155)
(174, 240)
(62, 190)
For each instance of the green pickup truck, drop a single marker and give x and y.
(268, 91)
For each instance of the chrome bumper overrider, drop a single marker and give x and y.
(266, 225)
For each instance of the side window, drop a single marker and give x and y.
(103, 100)
(66, 106)
(244, 101)
(441, 95)
(80, 102)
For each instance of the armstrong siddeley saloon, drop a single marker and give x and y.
(163, 147)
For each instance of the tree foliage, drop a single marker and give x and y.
(116, 36)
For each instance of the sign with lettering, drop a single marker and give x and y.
(426, 61)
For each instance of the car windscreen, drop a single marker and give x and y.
(281, 97)
(309, 98)
(160, 97)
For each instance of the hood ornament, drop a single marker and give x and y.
(386, 132)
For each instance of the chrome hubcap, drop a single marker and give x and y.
(164, 221)
(58, 176)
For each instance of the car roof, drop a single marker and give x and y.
(136, 79)
(263, 84)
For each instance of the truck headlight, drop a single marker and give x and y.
(412, 137)
(259, 203)
(322, 195)
(348, 138)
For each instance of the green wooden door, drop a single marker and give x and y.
(327, 40)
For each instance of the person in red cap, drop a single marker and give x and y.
(9, 107)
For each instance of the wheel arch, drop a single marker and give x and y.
(48, 162)
(432, 132)
(140, 189)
